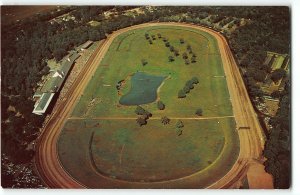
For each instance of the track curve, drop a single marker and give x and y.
(251, 140)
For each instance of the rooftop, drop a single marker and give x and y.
(56, 80)
(53, 84)
(43, 103)
(86, 44)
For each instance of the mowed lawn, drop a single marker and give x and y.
(124, 59)
(122, 150)
(91, 147)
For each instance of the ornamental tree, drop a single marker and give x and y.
(160, 105)
(199, 112)
(165, 120)
(181, 94)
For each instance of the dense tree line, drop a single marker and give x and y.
(269, 31)
(278, 146)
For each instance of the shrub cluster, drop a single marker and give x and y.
(187, 88)
(148, 37)
(199, 112)
(144, 115)
(186, 57)
(165, 120)
(179, 126)
(160, 105)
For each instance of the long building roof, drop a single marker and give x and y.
(43, 103)
(54, 83)
(86, 44)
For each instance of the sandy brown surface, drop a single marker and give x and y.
(251, 140)
(258, 178)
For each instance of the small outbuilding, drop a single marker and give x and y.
(42, 104)
(86, 45)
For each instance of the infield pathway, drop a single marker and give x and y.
(151, 118)
(249, 130)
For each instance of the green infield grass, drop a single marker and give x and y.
(120, 149)
(102, 139)
(123, 59)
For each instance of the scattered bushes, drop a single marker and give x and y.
(199, 112)
(195, 80)
(147, 36)
(186, 89)
(165, 120)
(145, 115)
(119, 84)
(160, 105)
(193, 59)
(171, 48)
(181, 40)
(144, 62)
(189, 84)
(179, 126)
(188, 47)
(141, 120)
(171, 58)
(141, 111)
(184, 55)
(181, 94)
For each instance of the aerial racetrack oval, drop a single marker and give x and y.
(93, 141)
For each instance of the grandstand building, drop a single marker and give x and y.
(47, 93)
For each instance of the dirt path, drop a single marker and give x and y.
(251, 141)
(151, 118)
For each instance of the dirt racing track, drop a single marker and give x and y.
(250, 159)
